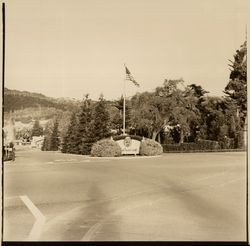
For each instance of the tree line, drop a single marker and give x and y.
(172, 113)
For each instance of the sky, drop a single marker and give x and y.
(70, 48)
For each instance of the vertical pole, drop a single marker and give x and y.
(124, 106)
(247, 161)
(3, 56)
(3, 70)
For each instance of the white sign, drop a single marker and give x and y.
(129, 146)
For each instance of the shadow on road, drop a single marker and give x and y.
(206, 211)
(89, 220)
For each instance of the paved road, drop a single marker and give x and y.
(171, 197)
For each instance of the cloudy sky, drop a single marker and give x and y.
(69, 48)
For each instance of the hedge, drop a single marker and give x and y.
(106, 148)
(200, 145)
(150, 147)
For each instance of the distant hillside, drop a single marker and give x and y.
(19, 100)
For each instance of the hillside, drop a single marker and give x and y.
(25, 106)
(19, 100)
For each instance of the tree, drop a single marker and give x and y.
(51, 140)
(146, 114)
(84, 133)
(117, 120)
(54, 139)
(172, 104)
(37, 130)
(101, 120)
(71, 140)
(63, 122)
(219, 120)
(24, 134)
(115, 117)
(46, 141)
(197, 90)
(236, 89)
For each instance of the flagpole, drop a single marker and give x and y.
(124, 105)
(128, 77)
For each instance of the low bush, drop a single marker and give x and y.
(227, 143)
(200, 145)
(207, 144)
(150, 147)
(106, 148)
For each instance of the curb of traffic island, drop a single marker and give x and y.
(115, 157)
(124, 157)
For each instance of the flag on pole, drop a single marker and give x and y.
(130, 77)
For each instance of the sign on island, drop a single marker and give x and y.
(129, 146)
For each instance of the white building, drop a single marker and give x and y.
(37, 142)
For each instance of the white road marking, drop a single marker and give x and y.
(40, 219)
(92, 231)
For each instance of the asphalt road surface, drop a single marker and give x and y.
(53, 196)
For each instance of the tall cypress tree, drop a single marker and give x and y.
(101, 124)
(84, 132)
(236, 89)
(46, 141)
(54, 139)
(37, 130)
(71, 140)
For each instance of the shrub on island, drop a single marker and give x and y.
(150, 147)
(106, 148)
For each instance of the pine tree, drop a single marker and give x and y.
(37, 130)
(46, 141)
(101, 126)
(45, 146)
(236, 89)
(71, 140)
(47, 136)
(54, 139)
(84, 133)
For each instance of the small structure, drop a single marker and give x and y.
(37, 142)
(8, 133)
(18, 142)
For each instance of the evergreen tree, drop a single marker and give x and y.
(101, 118)
(236, 89)
(37, 130)
(84, 133)
(54, 139)
(71, 140)
(46, 141)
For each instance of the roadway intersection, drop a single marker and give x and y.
(53, 196)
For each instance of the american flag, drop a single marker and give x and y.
(130, 77)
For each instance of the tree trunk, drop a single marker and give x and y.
(181, 137)
(154, 135)
(159, 138)
(245, 133)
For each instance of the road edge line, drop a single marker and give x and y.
(36, 230)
